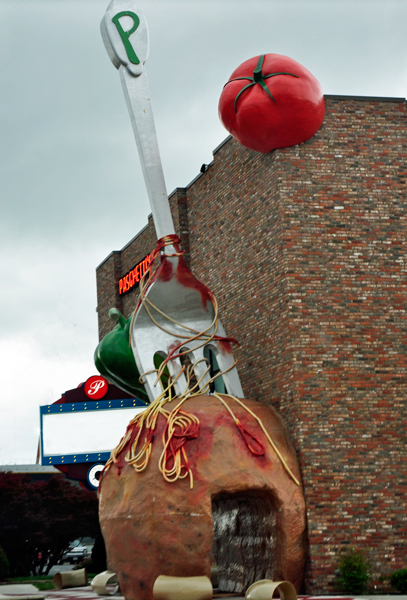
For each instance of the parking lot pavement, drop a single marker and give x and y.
(86, 593)
(61, 568)
(79, 593)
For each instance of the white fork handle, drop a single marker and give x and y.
(137, 94)
(125, 35)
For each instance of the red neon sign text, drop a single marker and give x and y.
(133, 277)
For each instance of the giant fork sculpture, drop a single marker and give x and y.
(178, 314)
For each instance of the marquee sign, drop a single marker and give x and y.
(84, 432)
(132, 277)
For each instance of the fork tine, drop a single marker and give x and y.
(178, 378)
(200, 365)
(226, 363)
(191, 312)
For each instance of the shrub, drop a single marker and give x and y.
(398, 581)
(4, 566)
(353, 569)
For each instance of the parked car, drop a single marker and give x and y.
(78, 551)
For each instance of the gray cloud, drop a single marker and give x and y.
(71, 188)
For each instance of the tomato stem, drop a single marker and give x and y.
(258, 71)
(258, 78)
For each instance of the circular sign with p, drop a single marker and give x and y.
(96, 387)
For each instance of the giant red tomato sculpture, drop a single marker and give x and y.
(271, 101)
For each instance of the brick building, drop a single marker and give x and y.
(305, 249)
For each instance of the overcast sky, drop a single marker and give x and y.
(71, 188)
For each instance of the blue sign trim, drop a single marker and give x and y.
(70, 459)
(91, 405)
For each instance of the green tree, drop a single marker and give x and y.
(398, 581)
(38, 520)
(353, 568)
(4, 566)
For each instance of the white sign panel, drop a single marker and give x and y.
(81, 432)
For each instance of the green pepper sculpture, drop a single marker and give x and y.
(114, 358)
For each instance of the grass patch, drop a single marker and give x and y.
(30, 579)
(42, 582)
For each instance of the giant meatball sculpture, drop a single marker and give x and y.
(244, 511)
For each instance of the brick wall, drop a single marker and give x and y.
(118, 264)
(107, 278)
(305, 249)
